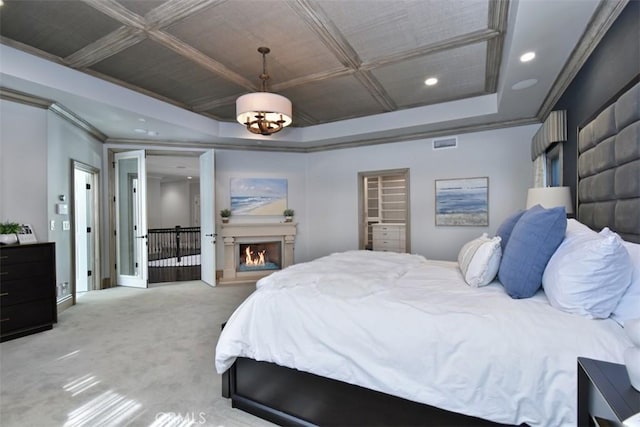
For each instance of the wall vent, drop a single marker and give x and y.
(440, 144)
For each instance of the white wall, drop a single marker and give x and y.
(253, 164)
(154, 210)
(176, 199)
(23, 166)
(332, 187)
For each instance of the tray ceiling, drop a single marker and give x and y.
(333, 59)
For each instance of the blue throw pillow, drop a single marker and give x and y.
(534, 239)
(505, 229)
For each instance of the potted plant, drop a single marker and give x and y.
(225, 214)
(288, 215)
(9, 232)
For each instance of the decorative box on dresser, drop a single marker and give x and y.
(27, 289)
(389, 237)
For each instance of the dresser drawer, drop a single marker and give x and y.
(389, 245)
(395, 234)
(24, 254)
(33, 314)
(25, 270)
(18, 291)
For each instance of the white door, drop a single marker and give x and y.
(207, 218)
(83, 248)
(131, 218)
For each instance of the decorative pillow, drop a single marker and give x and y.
(534, 238)
(479, 260)
(629, 305)
(505, 229)
(588, 274)
(576, 227)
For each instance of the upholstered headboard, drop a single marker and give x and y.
(609, 168)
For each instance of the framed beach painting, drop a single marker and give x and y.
(258, 196)
(463, 201)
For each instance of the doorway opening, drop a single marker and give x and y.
(86, 237)
(383, 199)
(178, 233)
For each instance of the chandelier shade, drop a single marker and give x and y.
(263, 112)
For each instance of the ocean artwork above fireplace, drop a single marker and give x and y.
(258, 196)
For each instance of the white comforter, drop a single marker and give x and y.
(409, 327)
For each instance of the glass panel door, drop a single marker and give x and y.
(131, 219)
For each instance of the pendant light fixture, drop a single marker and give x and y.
(263, 112)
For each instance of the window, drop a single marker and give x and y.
(554, 165)
(384, 199)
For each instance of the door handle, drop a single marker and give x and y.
(141, 237)
(211, 235)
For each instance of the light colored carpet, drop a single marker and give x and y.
(125, 356)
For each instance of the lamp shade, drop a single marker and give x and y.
(550, 197)
(270, 104)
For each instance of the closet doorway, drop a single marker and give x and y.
(383, 199)
(86, 240)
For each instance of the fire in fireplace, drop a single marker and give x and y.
(259, 256)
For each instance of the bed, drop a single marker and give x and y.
(370, 338)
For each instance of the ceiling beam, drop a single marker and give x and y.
(118, 12)
(109, 45)
(498, 16)
(448, 44)
(170, 12)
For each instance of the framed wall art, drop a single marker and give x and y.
(462, 201)
(258, 196)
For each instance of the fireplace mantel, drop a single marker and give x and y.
(233, 234)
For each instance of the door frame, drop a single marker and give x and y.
(109, 206)
(362, 191)
(96, 228)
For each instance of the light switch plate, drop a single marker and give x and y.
(52, 225)
(66, 225)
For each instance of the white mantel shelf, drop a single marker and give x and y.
(235, 233)
(259, 229)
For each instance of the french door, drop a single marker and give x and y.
(207, 218)
(131, 218)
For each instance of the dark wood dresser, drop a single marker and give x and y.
(27, 289)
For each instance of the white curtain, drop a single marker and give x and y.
(539, 172)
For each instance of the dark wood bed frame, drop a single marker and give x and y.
(290, 397)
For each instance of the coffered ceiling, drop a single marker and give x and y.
(335, 60)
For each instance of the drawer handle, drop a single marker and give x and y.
(6, 319)
(4, 273)
(4, 294)
(4, 256)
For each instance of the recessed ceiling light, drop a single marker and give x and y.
(524, 84)
(526, 57)
(189, 177)
(431, 81)
(140, 130)
(141, 120)
(152, 133)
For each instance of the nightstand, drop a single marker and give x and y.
(605, 395)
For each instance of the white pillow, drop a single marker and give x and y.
(479, 260)
(588, 274)
(629, 306)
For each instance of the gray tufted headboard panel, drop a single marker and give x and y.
(609, 168)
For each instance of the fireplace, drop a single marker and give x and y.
(259, 256)
(255, 250)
